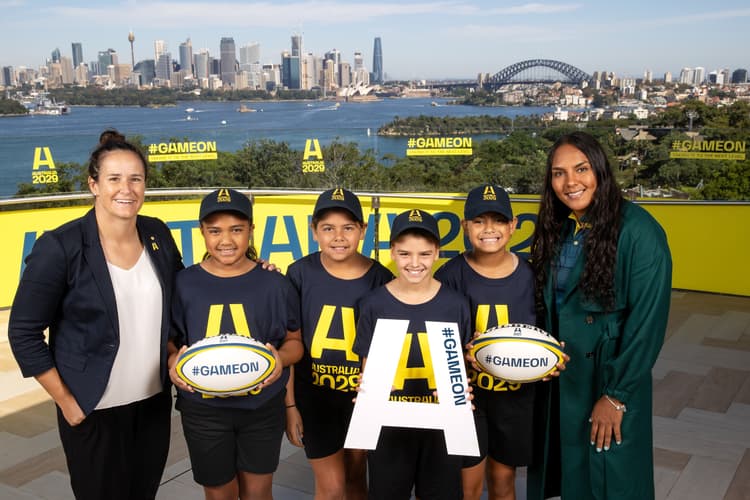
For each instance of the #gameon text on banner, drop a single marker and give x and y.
(182, 151)
(708, 150)
(439, 146)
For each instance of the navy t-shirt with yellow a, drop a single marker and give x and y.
(260, 304)
(328, 322)
(504, 411)
(415, 379)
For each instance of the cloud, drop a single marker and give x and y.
(696, 18)
(535, 8)
(4, 4)
(258, 14)
(515, 33)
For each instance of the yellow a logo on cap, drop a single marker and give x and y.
(338, 194)
(223, 196)
(489, 193)
(415, 216)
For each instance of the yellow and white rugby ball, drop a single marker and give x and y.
(225, 365)
(517, 352)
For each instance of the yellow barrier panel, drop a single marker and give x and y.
(709, 242)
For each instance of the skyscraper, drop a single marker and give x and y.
(296, 61)
(739, 75)
(186, 56)
(249, 54)
(335, 56)
(202, 69)
(9, 76)
(66, 68)
(160, 47)
(147, 69)
(377, 62)
(164, 68)
(360, 75)
(297, 45)
(290, 70)
(106, 58)
(56, 55)
(228, 60)
(77, 53)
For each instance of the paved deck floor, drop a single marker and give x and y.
(701, 418)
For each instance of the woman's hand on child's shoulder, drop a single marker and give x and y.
(268, 266)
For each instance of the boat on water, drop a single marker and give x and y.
(42, 105)
(189, 110)
(245, 109)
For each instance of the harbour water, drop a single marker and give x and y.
(70, 138)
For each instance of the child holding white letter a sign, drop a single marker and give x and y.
(432, 324)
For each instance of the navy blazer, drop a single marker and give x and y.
(66, 286)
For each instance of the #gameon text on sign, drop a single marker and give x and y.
(230, 369)
(439, 146)
(708, 150)
(454, 369)
(182, 151)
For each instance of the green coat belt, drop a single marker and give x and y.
(611, 352)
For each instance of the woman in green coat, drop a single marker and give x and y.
(603, 276)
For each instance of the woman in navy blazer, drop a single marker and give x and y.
(102, 284)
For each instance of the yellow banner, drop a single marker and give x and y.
(703, 260)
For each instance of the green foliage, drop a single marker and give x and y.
(730, 181)
(441, 125)
(12, 107)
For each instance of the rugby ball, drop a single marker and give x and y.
(517, 352)
(225, 365)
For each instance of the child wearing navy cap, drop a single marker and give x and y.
(500, 288)
(407, 459)
(234, 442)
(329, 283)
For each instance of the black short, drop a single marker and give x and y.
(504, 423)
(223, 441)
(325, 418)
(406, 458)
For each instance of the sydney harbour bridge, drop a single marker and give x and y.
(531, 71)
(537, 71)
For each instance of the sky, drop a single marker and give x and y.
(421, 39)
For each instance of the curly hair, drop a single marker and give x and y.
(600, 243)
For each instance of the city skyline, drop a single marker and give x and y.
(443, 39)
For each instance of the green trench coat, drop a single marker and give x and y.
(610, 353)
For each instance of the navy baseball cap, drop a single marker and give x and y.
(414, 219)
(339, 198)
(226, 200)
(487, 198)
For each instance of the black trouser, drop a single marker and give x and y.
(118, 453)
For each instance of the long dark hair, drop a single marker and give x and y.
(112, 140)
(600, 244)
